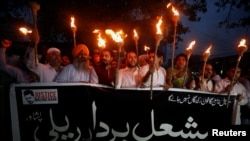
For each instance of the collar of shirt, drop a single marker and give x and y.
(128, 69)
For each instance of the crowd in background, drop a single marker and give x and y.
(129, 71)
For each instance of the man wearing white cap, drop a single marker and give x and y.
(80, 70)
(46, 72)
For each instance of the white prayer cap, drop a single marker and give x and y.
(53, 49)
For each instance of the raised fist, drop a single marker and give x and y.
(5, 43)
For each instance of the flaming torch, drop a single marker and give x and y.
(242, 47)
(25, 31)
(118, 38)
(101, 41)
(158, 39)
(136, 38)
(146, 48)
(175, 19)
(73, 28)
(35, 7)
(189, 51)
(205, 55)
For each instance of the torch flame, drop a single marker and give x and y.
(96, 31)
(146, 48)
(72, 24)
(176, 13)
(24, 30)
(101, 41)
(208, 50)
(158, 28)
(191, 45)
(242, 47)
(169, 4)
(136, 37)
(206, 54)
(116, 36)
(242, 43)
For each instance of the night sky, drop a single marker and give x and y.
(90, 16)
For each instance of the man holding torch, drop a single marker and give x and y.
(130, 76)
(13, 71)
(46, 72)
(224, 86)
(19, 72)
(180, 78)
(207, 85)
(104, 71)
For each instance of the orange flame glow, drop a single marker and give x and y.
(25, 31)
(190, 47)
(174, 10)
(242, 43)
(116, 36)
(96, 31)
(72, 23)
(169, 4)
(208, 50)
(158, 28)
(176, 13)
(146, 48)
(135, 37)
(101, 41)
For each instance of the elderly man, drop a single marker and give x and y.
(46, 72)
(80, 69)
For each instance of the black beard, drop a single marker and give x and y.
(104, 63)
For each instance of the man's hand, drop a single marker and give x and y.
(166, 87)
(229, 88)
(239, 97)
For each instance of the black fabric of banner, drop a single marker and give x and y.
(99, 113)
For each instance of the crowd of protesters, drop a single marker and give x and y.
(130, 72)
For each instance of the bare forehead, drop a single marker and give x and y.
(131, 54)
(209, 66)
(53, 52)
(106, 52)
(181, 58)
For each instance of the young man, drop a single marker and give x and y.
(208, 84)
(155, 69)
(179, 77)
(29, 96)
(104, 71)
(232, 85)
(130, 76)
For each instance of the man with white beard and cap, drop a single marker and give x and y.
(46, 72)
(80, 70)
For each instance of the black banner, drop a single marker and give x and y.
(74, 111)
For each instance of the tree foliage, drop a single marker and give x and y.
(54, 17)
(234, 6)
